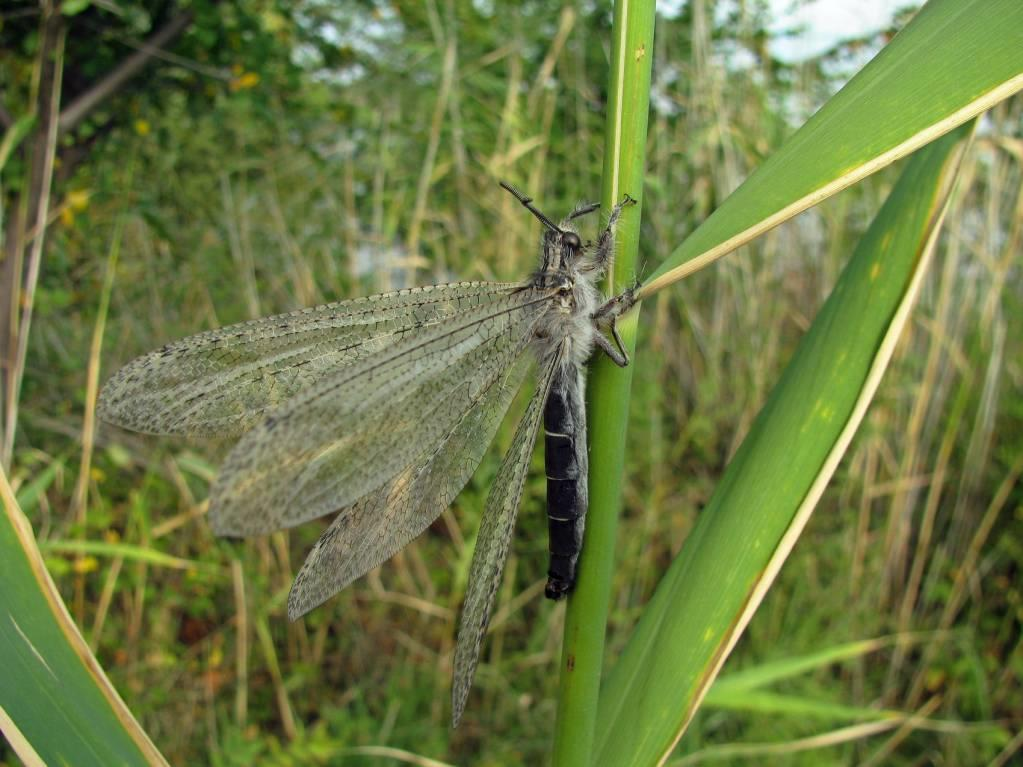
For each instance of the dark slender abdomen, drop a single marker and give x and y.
(564, 421)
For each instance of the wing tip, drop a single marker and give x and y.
(299, 600)
(225, 519)
(110, 403)
(458, 696)
(295, 607)
(127, 401)
(232, 524)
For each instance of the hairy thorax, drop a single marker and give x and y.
(566, 328)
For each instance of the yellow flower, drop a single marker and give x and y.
(78, 199)
(272, 22)
(245, 81)
(85, 565)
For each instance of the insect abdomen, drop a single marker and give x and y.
(565, 458)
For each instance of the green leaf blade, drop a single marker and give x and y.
(768, 490)
(56, 705)
(955, 59)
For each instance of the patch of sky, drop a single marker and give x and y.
(804, 29)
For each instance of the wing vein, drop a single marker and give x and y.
(352, 433)
(492, 543)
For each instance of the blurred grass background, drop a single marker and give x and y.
(357, 149)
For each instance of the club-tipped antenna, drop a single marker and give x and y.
(527, 202)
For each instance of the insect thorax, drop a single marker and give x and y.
(566, 329)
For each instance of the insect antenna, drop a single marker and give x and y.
(527, 202)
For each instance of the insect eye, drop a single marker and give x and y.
(571, 240)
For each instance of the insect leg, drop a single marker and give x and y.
(616, 306)
(605, 250)
(582, 210)
(606, 317)
(616, 351)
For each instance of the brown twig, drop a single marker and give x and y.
(78, 109)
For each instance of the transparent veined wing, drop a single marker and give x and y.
(222, 382)
(378, 525)
(492, 544)
(355, 430)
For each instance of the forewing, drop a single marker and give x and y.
(356, 430)
(222, 382)
(492, 545)
(378, 525)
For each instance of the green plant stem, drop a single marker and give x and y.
(624, 152)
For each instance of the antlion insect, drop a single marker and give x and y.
(381, 408)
